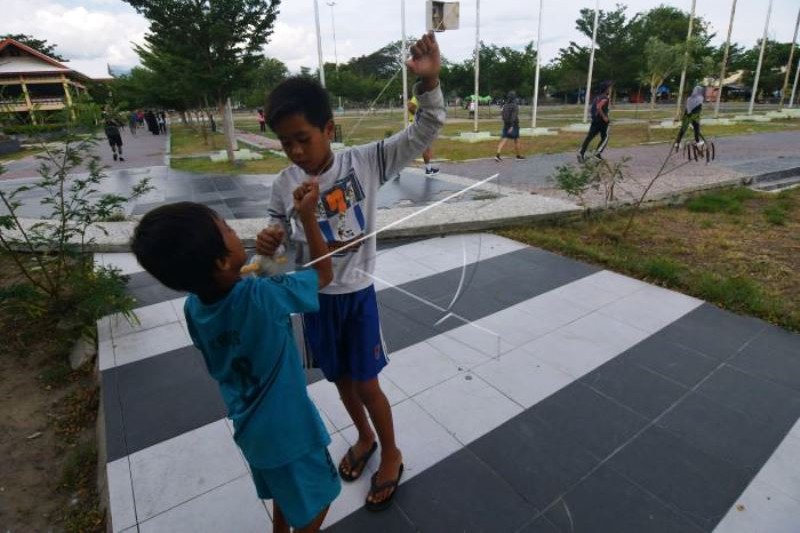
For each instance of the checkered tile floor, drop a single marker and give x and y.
(549, 396)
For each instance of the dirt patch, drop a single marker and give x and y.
(47, 439)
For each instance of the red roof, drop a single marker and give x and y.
(11, 42)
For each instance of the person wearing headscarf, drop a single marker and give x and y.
(510, 125)
(152, 122)
(600, 121)
(691, 115)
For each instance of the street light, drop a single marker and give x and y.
(333, 26)
(319, 46)
(724, 60)
(591, 63)
(686, 60)
(760, 59)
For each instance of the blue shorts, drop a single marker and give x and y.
(302, 488)
(513, 135)
(344, 337)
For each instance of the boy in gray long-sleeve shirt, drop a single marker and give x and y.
(344, 337)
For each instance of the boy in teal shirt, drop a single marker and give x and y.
(243, 329)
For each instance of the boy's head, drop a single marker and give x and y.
(188, 247)
(604, 86)
(298, 110)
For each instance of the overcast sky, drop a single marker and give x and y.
(101, 31)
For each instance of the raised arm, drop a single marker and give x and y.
(394, 153)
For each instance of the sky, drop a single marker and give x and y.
(94, 33)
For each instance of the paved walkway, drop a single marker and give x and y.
(555, 396)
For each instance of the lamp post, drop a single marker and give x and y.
(477, 60)
(685, 60)
(724, 60)
(319, 45)
(591, 63)
(333, 27)
(794, 85)
(760, 60)
(538, 63)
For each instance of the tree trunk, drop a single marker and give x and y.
(225, 109)
(653, 95)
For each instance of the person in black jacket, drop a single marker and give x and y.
(111, 127)
(510, 125)
(599, 123)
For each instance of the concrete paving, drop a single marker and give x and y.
(555, 397)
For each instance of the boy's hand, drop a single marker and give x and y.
(426, 61)
(306, 197)
(268, 240)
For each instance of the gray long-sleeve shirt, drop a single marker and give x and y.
(347, 208)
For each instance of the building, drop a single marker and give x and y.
(33, 85)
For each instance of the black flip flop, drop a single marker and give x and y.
(358, 464)
(374, 489)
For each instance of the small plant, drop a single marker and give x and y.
(663, 269)
(776, 215)
(599, 175)
(60, 278)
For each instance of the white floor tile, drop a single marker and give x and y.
(105, 354)
(458, 351)
(104, 329)
(421, 439)
(586, 292)
(782, 470)
(583, 345)
(393, 393)
(149, 317)
(326, 397)
(651, 308)
(175, 471)
(487, 341)
(234, 506)
(419, 367)
(522, 377)
(177, 305)
(125, 262)
(353, 494)
(617, 283)
(144, 344)
(120, 495)
(467, 406)
(761, 509)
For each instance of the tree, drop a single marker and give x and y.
(216, 44)
(40, 45)
(269, 73)
(661, 61)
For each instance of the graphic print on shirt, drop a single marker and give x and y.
(340, 215)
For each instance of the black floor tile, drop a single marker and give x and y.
(140, 279)
(538, 461)
(719, 430)
(605, 502)
(700, 486)
(712, 331)
(401, 329)
(765, 401)
(638, 388)
(165, 396)
(601, 425)
(462, 494)
(153, 294)
(775, 355)
(672, 360)
(540, 525)
(391, 520)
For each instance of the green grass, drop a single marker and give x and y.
(271, 164)
(743, 262)
(22, 154)
(776, 215)
(186, 140)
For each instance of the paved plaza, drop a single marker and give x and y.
(548, 395)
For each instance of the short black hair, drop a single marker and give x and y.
(179, 244)
(299, 95)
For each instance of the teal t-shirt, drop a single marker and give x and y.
(249, 349)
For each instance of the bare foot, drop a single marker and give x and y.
(388, 471)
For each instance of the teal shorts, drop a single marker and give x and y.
(302, 488)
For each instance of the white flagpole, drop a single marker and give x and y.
(760, 60)
(789, 63)
(685, 60)
(403, 62)
(477, 61)
(319, 45)
(724, 60)
(794, 85)
(538, 64)
(591, 64)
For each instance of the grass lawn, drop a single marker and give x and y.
(271, 164)
(186, 140)
(25, 152)
(735, 248)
